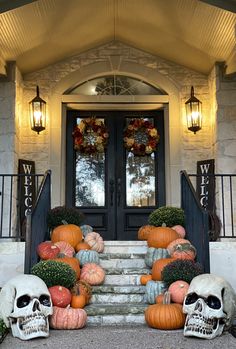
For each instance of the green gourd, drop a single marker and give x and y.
(154, 254)
(87, 256)
(153, 289)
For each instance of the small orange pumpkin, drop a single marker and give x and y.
(160, 237)
(145, 278)
(81, 287)
(158, 266)
(72, 262)
(159, 298)
(78, 301)
(70, 233)
(165, 316)
(82, 246)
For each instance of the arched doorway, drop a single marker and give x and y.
(116, 189)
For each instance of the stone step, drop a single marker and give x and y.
(103, 289)
(125, 247)
(127, 271)
(113, 320)
(122, 263)
(114, 298)
(115, 309)
(108, 256)
(122, 280)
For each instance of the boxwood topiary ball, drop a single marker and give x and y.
(168, 216)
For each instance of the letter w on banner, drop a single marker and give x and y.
(26, 190)
(205, 187)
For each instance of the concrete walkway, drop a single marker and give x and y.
(114, 337)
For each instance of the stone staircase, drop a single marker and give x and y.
(121, 299)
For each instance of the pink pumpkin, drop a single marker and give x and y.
(93, 274)
(66, 250)
(178, 291)
(61, 296)
(47, 250)
(176, 242)
(95, 241)
(67, 318)
(180, 230)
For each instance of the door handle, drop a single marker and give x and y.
(118, 191)
(112, 188)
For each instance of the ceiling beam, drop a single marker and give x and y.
(7, 5)
(229, 5)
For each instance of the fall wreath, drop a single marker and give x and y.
(140, 137)
(90, 136)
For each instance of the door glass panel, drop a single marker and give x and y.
(140, 179)
(90, 179)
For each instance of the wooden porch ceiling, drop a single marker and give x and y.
(192, 33)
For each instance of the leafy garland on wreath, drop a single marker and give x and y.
(90, 136)
(141, 137)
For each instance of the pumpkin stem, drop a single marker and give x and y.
(64, 222)
(164, 225)
(166, 298)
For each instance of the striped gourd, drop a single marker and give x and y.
(153, 289)
(155, 253)
(87, 256)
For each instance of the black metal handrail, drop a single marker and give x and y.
(225, 201)
(36, 223)
(196, 221)
(11, 223)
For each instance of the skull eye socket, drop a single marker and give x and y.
(213, 302)
(23, 301)
(45, 300)
(191, 298)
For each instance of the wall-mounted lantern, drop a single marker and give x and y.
(37, 113)
(193, 113)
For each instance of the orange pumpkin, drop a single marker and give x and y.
(66, 250)
(81, 287)
(160, 237)
(178, 291)
(93, 274)
(67, 318)
(70, 233)
(145, 278)
(82, 246)
(144, 231)
(158, 266)
(78, 301)
(72, 262)
(165, 316)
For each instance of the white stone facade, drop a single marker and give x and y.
(183, 149)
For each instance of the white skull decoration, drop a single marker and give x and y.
(210, 305)
(25, 305)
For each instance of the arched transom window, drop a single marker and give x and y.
(115, 85)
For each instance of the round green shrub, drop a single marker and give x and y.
(181, 269)
(55, 273)
(168, 216)
(58, 214)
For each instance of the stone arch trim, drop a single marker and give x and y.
(138, 71)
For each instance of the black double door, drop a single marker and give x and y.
(115, 190)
